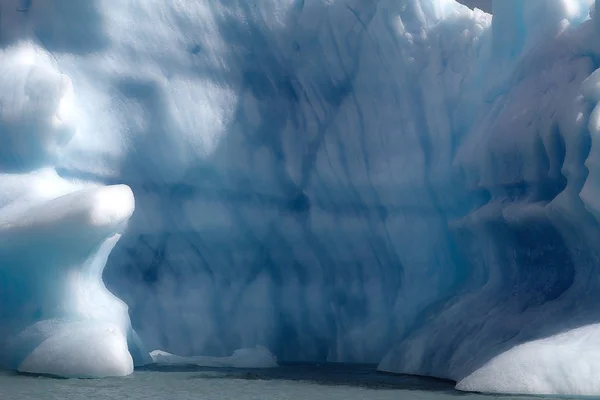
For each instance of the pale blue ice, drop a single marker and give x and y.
(402, 182)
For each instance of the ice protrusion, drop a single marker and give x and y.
(551, 365)
(590, 192)
(520, 24)
(57, 316)
(256, 357)
(81, 350)
(37, 108)
(62, 320)
(590, 87)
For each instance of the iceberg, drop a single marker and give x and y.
(412, 183)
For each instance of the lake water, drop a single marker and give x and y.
(291, 382)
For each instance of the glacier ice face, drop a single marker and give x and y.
(397, 181)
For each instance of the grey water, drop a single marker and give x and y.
(288, 382)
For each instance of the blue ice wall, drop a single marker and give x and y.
(319, 216)
(403, 182)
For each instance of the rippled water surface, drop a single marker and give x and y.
(292, 382)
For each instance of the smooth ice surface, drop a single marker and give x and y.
(534, 366)
(403, 182)
(257, 357)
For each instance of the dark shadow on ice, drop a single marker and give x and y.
(60, 26)
(328, 374)
(82, 17)
(47, 376)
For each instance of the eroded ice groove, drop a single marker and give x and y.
(56, 315)
(396, 181)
